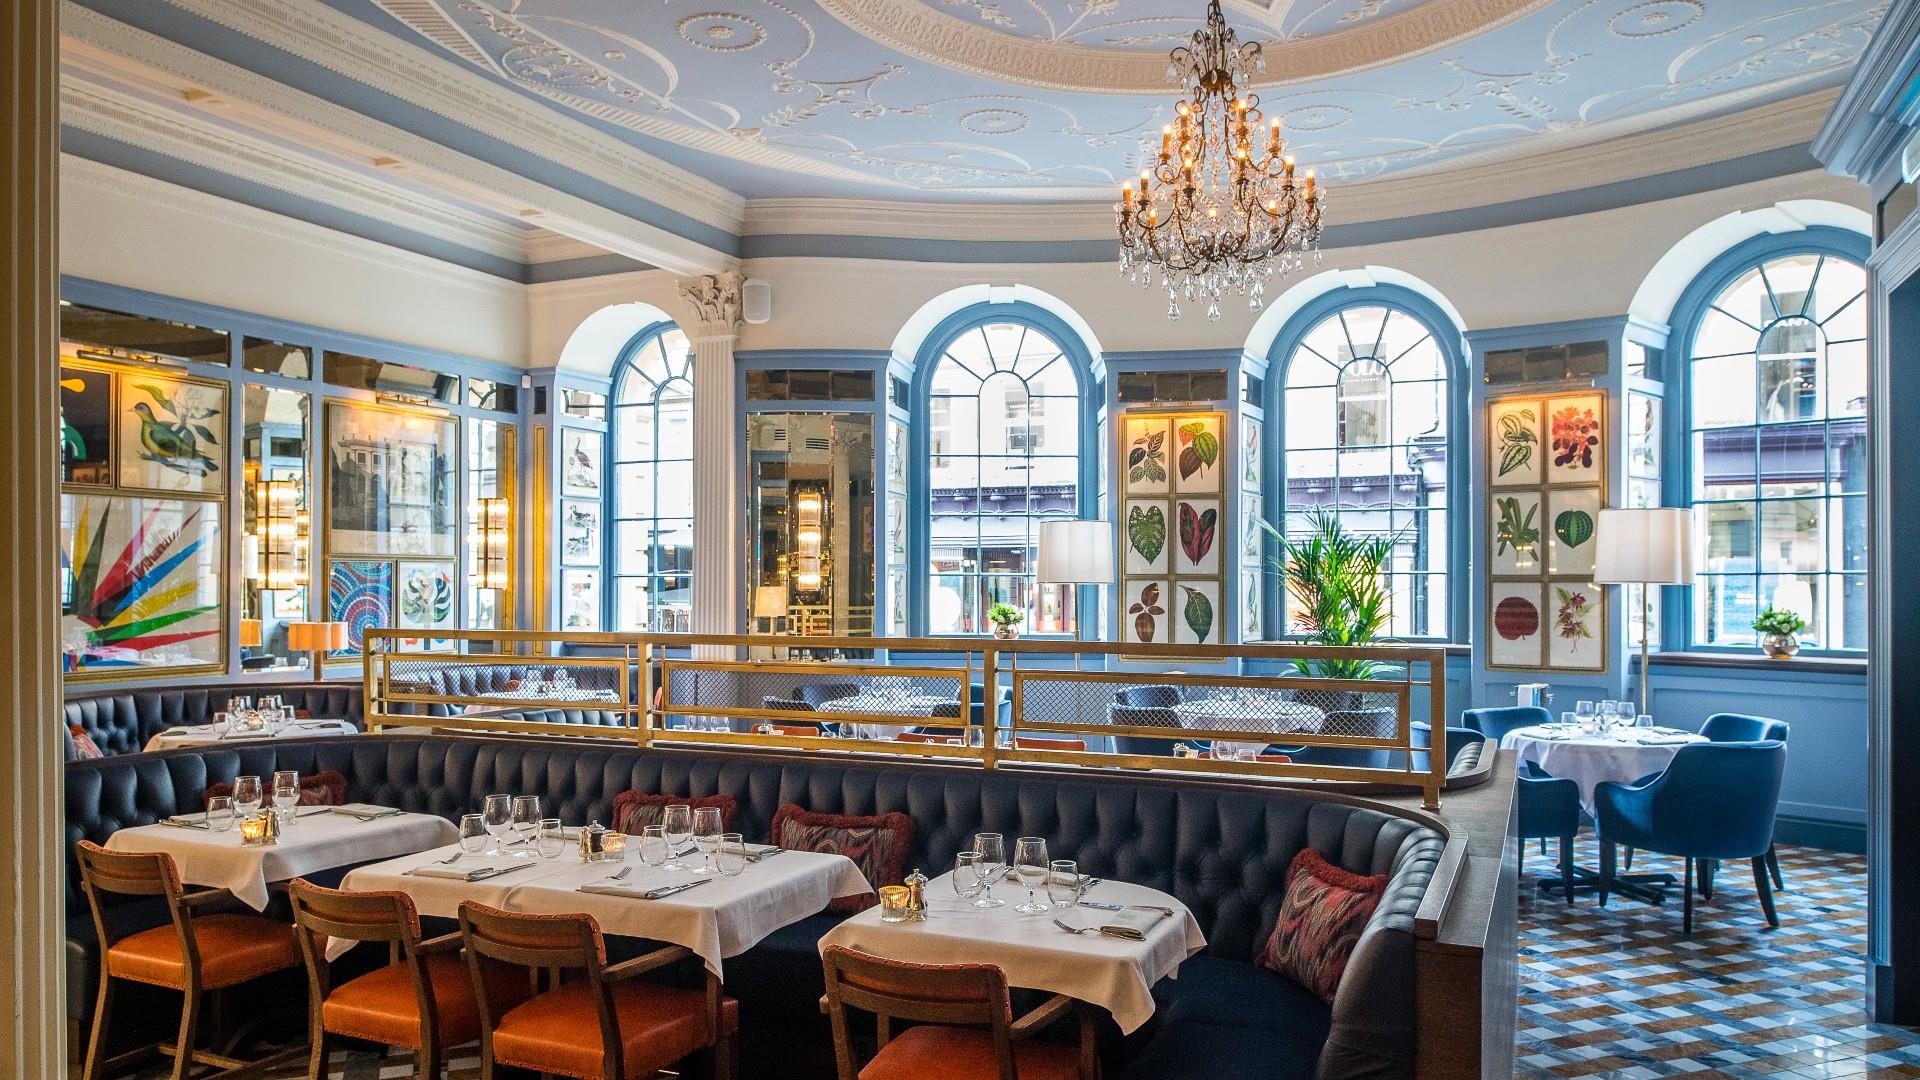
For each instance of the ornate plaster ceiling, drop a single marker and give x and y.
(1051, 98)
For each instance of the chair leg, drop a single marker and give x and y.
(1773, 866)
(189, 1035)
(1606, 872)
(427, 1062)
(317, 1058)
(1686, 909)
(723, 1058)
(102, 1010)
(1523, 856)
(1566, 865)
(1708, 867)
(1628, 863)
(1765, 888)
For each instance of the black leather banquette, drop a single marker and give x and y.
(1223, 850)
(121, 721)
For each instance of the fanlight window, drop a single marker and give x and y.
(652, 538)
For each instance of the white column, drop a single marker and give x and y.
(712, 323)
(32, 999)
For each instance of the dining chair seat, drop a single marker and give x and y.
(559, 1031)
(1025, 742)
(383, 1005)
(233, 949)
(964, 1054)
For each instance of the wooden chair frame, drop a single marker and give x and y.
(115, 872)
(957, 995)
(586, 952)
(322, 913)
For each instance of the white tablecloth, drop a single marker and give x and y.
(316, 842)
(1113, 973)
(723, 918)
(203, 734)
(882, 702)
(1273, 714)
(571, 695)
(1589, 759)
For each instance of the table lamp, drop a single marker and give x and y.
(318, 638)
(1643, 546)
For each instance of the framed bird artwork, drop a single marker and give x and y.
(172, 434)
(580, 453)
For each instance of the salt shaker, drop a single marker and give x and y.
(916, 884)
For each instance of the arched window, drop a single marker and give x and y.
(1364, 418)
(652, 549)
(1777, 443)
(1002, 432)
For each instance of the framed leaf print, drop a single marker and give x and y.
(1516, 623)
(1516, 533)
(1147, 618)
(172, 434)
(1196, 549)
(1147, 536)
(1575, 450)
(1146, 453)
(1197, 453)
(1513, 441)
(1571, 516)
(1195, 612)
(1576, 626)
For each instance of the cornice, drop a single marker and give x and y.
(345, 45)
(1860, 136)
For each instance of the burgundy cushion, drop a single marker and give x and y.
(1320, 921)
(327, 788)
(634, 810)
(83, 744)
(877, 845)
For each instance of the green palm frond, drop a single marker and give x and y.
(1339, 590)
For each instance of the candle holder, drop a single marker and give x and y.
(259, 830)
(893, 904)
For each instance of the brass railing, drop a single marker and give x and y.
(1252, 710)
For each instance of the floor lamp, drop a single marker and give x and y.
(1077, 552)
(318, 638)
(1644, 547)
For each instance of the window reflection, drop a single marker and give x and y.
(278, 526)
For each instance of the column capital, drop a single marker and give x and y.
(712, 302)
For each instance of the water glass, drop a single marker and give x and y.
(552, 842)
(246, 795)
(677, 821)
(1064, 883)
(1569, 720)
(706, 836)
(991, 866)
(473, 833)
(497, 812)
(653, 845)
(1584, 710)
(966, 875)
(1030, 865)
(222, 723)
(1644, 720)
(526, 821)
(730, 858)
(220, 813)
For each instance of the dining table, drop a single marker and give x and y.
(1255, 711)
(206, 735)
(319, 838)
(1114, 973)
(1590, 758)
(882, 702)
(719, 917)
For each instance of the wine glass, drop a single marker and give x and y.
(1030, 866)
(473, 833)
(1064, 883)
(991, 866)
(706, 836)
(966, 875)
(286, 793)
(653, 845)
(678, 823)
(526, 823)
(497, 812)
(551, 842)
(246, 795)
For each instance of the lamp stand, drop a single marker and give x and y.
(319, 665)
(1645, 705)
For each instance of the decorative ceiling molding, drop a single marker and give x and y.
(917, 29)
(713, 301)
(146, 58)
(192, 138)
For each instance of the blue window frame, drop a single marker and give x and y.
(1364, 402)
(1773, 351)
(1002, 439)
(651, 553)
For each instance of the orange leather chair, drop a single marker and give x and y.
(805, 731)
(1027, 743)
(197, 952)
(422, 1000)
(964, 1027)
(927, 737)
(605, 1024)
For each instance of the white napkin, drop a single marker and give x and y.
(1130, 924)
(367, 811)
(469, 868)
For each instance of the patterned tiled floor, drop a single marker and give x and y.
(1620, 993)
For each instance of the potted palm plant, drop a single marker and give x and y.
(1339, 592)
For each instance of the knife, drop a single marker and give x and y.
(668, 890)
(494, 872)
(183, 823)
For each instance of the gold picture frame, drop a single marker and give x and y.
(1172, 520)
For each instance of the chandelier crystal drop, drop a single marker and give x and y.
(1219, 210)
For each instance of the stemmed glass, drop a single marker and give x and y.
(991, 866)
(1583, 714)
(246, 795)
(677, 822)
(497, 812)
(526, 823)
(1030, 866)
(706, 836)
(967, 880)
(286, 794)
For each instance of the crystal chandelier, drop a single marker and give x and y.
(1216, 213)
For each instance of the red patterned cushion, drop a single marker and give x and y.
(1321, 918)
(877, 845)
(83, 744)
(635, 810)
(327, 788)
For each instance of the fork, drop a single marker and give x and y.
(623, 872)
(449, 860)
(1074, 929)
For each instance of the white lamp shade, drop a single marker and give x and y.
(1075, 553)
(1647, 546)
(769, 601)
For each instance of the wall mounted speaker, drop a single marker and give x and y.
(756, 301)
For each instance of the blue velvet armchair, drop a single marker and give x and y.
(1739, 727)
(1495, 723)
(1549, 808)
(1715, 801)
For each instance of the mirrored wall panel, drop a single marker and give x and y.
(277, 520)
(811, 520)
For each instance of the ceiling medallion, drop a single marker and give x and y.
(1215, 213)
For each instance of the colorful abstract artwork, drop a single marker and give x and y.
(360, 594)
(424, 601)
(172, 434)
(86, 426)
(142, 583)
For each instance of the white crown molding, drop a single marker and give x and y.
(77, 172)
(428, 79)
(303, 118)
(1791, 122)
(189, 137)
(543, 246)
(608, 288)
(926, 32)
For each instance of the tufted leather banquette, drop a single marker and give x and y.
(1223, 850)
(121, 721)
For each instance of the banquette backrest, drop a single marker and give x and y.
(121, 721)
